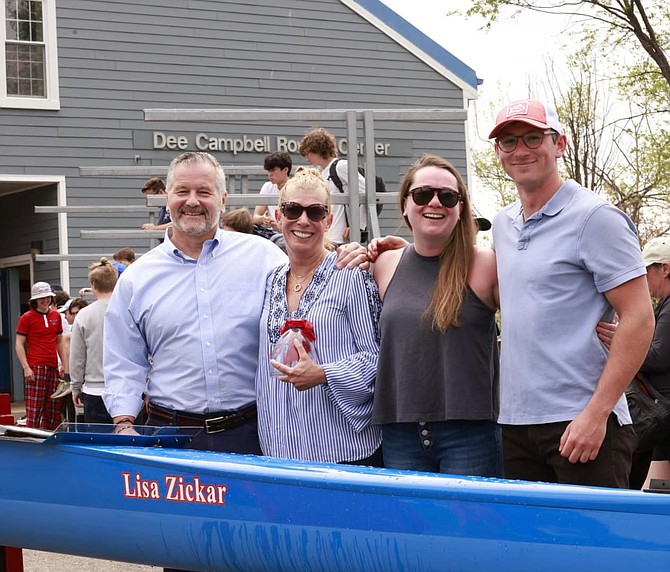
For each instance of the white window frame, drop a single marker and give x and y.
(52, 99)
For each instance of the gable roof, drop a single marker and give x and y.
(416, 42)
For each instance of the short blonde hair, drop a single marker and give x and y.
(103, 275)
(306, 178)
(309, 178)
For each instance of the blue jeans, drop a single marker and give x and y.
(454, 447)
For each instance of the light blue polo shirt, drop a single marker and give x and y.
(553, 271)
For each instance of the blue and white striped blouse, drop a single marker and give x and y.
(329, 422)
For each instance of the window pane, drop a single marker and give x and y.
(12, 86)
(24, 70)
(24, 9)
(27, 66)
(24, 31)
(12, 69)
(10, 8)
(36, 32)
(36, 11)
(25, 63)
(37, 54)
(24, 87)
(11, 52)
(11, 30)
(37, 88)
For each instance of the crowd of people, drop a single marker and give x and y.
(291, 347)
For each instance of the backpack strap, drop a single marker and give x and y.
(335, 177)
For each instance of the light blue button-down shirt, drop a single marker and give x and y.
(197, 321)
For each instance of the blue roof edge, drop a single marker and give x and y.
(429, 46)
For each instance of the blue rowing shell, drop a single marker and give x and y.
(125, 498)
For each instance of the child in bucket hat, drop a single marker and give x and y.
(40, 290)
(39, 344)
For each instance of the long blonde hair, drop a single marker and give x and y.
(457, 254)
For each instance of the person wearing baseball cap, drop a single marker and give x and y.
(656, 253)
(655, 369)
(39, 343)
(531, 112)
(566, 258)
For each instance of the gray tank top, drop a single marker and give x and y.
(423, 375)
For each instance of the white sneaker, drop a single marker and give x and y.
(62, 390)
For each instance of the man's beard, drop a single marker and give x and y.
(193, 226)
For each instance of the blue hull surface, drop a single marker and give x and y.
(211, 511)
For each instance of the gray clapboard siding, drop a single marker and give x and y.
(118, 57)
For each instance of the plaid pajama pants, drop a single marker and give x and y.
(42, 411)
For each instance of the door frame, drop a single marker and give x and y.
(11, 309)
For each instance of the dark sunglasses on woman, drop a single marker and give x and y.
(447, 197)
(293, 211)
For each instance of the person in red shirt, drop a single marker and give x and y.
(39, 342)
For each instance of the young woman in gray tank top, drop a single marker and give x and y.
(436, 394)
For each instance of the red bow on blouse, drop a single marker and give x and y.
(305, 327)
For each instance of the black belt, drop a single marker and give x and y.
(212, 423)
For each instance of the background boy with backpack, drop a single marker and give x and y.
(320, 149)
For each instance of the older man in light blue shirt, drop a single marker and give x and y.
(185, 317)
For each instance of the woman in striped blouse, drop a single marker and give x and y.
(317, 408)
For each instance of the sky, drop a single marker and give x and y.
(508, 58)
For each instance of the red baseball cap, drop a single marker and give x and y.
(530, 111)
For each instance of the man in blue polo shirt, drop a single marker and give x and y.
(566, 259)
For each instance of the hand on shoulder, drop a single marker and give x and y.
(389, 242)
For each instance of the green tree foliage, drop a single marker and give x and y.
(612, 24)
(620, 149)
(492, 177)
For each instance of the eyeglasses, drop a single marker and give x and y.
(293, 211)
(447, 197)
(532, 140)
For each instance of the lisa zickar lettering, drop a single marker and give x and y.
(175, 488)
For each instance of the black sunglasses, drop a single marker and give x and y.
(293, 211)
(447, 197)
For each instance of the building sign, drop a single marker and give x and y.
(245, 144)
